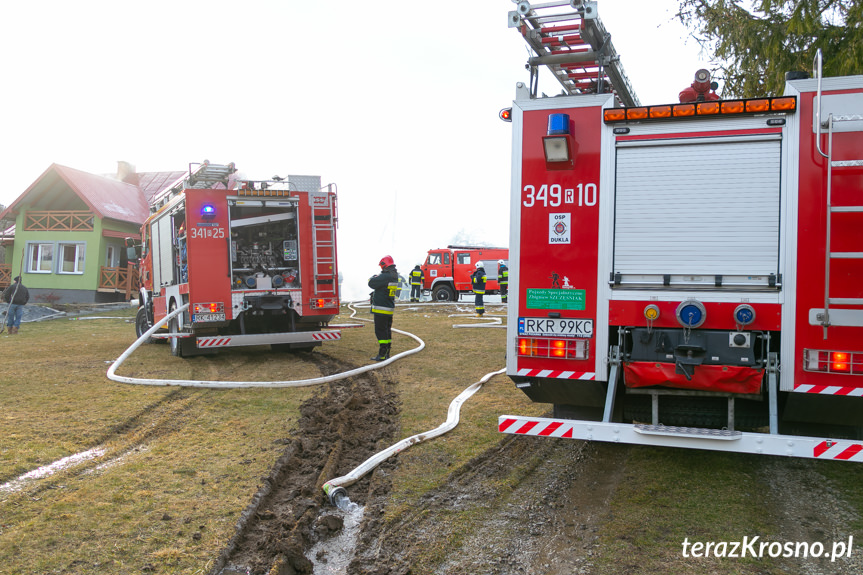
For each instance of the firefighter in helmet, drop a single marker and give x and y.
(383, 300)
(417, 278)
(503, 279)
(477, 280)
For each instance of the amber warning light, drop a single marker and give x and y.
(506, 114)
(694, 109)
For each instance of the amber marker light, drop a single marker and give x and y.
(614, 114)
(636, 114)
(660, 111)
(758, 105)
(783, 104)
(708, 108)
(684, 110)
(733, 107)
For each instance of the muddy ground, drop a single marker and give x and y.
(534, 506)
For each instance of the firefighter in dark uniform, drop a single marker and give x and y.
(417, 279)
(503, 279)
(383, 299)
(478, 280)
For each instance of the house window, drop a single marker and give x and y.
(71, 258)
(110, 257)
(40, 259)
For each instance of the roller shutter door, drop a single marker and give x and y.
(707, 207)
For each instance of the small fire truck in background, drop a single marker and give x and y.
(254, 260)
(688, 274)
(447, 271)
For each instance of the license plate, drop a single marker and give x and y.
(555, 327)
(204, 317)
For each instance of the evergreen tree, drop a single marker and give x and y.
(756, 46)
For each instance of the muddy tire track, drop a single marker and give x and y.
(489, 515)
(167, 415)
(340, 426)
(154, 419)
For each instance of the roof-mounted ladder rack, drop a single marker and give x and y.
(569, 38)
(828, 125)
(206, 175)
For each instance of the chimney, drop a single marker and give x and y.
(126, 173)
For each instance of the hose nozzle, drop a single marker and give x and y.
(336, 495)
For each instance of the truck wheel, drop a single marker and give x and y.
(174, 327)
(443, 293)
(142, 323)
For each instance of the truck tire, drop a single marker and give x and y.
(443, 292)
(180, 346)
(176, 342)
(142, 323)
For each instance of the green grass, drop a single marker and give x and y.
(181, 464)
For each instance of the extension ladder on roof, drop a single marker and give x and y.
(205, 176)
(569, 38)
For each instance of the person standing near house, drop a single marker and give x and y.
(503, 279)
(17, 296)
(383, 302)
(478, 280)
(417, 278)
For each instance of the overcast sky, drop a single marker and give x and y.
(395, 102)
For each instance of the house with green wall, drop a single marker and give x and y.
(70, 231)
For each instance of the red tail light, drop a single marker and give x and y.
(554, 348)
(839, 361)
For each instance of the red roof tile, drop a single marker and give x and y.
(106, 197)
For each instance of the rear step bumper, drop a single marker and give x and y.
(219, 341)
(685, 437)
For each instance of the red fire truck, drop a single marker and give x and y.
(255, 261)
(686, 274)
(447, 271)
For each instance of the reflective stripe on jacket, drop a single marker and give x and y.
(385, 284)
(416, 277)
(503, 275)
(478, 280)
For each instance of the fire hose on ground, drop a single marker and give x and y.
(238, 384)
(335, 488)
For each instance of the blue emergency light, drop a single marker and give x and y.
(558, 124)
(556, 143)
(208, 211)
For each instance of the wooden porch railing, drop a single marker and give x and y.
(58, 221)
(118, 279)
(5, 275)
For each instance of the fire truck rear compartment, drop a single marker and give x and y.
(264, 252)
(687, 349)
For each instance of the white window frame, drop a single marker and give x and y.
(111, 256)
(79, 262)
(40, 249)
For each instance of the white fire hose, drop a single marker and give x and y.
(236, 384)
(335, 488)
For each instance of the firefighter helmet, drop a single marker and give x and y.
(386, 261)
(500, 262)
(478, 265)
